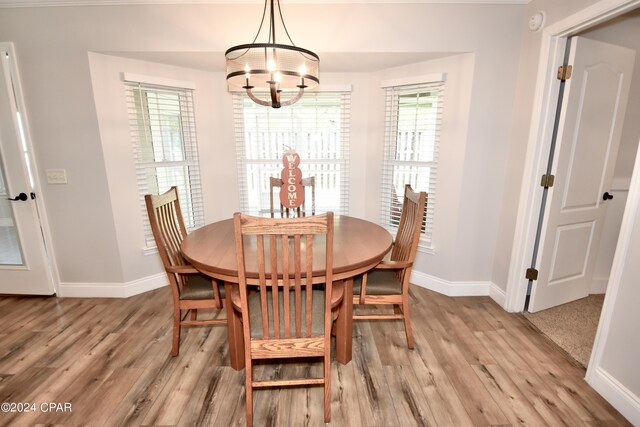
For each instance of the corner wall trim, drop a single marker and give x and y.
(113, 290)
(617, 394)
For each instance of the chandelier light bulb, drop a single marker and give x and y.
(277, 76)
(271, 65)
(303, 70)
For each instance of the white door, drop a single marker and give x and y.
(24, 267)
(589, 132)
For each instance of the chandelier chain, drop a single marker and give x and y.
(264, 12)
(284, 25)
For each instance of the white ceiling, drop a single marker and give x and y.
(329, 61)
(39, 3)
(215, 61)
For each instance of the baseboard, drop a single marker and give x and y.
(459, 289)
(599, 285)
(135, 287)
(113, 290)
(498, 294)
(627, 403)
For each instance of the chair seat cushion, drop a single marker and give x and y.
(379, 282)
(317, 314)
(199, 287)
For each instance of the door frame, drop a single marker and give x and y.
(37, 188)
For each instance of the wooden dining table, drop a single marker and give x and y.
(358, 245)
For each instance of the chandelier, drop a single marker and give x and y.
(271, 67)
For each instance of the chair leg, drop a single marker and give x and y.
(175, 347)
(407, 323)
(327, 386)
(249, 394)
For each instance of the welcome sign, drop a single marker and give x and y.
(291, 192)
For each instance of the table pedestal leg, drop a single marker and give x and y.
(234, 332)
(344, 325)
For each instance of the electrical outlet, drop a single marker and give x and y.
(56, 176)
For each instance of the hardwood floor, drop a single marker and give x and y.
(473, 365)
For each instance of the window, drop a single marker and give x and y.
(164, 139)
(413, 117)
(317, 127)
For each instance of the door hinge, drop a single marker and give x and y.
(564, 72)
(531, 274)
(547, 181)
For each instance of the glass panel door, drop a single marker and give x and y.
(25, 267)
(10, 249)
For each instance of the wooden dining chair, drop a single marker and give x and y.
(191, 290)
(388, 282)
(290, 314)
(276, 183)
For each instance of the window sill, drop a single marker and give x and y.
(425, 249)
(149, 250)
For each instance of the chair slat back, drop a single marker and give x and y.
(167, 225)
(310, 182)
(285, 255)
(405, 245)
(276, 183)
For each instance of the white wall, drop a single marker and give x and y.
(71, 129)
(441, 260)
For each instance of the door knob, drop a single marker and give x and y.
(21, 197)
(607, 196)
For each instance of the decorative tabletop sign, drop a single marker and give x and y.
(291, 192)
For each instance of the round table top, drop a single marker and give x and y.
(358, 245)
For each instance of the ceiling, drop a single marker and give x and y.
(329, 61)
(215, 61)
(39, 3)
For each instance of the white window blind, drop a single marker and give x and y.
(317, 127)
(163, 132)
(413, 118)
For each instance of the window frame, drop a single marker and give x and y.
(389, 209)
(273, 164)
(190, 191)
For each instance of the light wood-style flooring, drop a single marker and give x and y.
(473, 365)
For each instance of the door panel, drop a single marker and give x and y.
(571, 251)
(25, 270)
(595, 123)
(590, 126)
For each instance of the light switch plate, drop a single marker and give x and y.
(56, 176)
